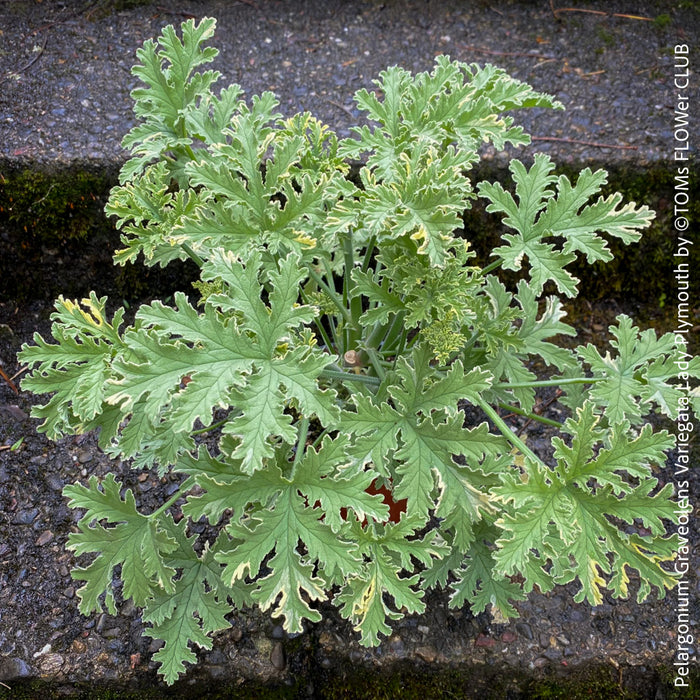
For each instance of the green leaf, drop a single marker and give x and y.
(477, 584)
(567, 515)
(388, 551)
(243, 358)
(136, 542)
(196, 608)
(171, 87)
(291, 583)
(539, 214)
(425, 453)
(641, 373)
(77, 368)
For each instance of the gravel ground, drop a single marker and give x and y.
(43, 636)
(65, 66)
(64, 99)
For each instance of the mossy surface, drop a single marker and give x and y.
(46, 207)
(593, 682)
(49, 220)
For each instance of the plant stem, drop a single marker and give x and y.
(368, 253)
(301, 442)
(533, 416)
(395, 331)
(492, 266)
(350, 377)
(332, 296)
(376, 362)
(192, 254)
(547, 382)
(184, 486)
(211, 427)
(507, 433)
(318, 322)
(354, 303)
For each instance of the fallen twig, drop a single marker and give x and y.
(595, 144)
(9, 381)
(555, 12)
(15, 73)
(340, 106)
(506, 53)
(19, 371)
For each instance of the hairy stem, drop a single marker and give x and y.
(187, 484)
(507, 433)
(547, 382)
(192, 254)
(532, 416)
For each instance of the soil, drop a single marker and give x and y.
(64, 100)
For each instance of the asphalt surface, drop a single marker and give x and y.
(65, 66)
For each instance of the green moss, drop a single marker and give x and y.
(408, 682)
(662, 20)
(36, 205)
(46, 690)
(668, 677)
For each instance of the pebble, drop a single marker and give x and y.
(278, 657)
(45, 537)
(78, 647)
(50, 664)
(15, 412)
(524, 630)
(427, 653)
(484, 640)
(85, 456)
(25, 517)
(55, 482)
(553, 654)
(13, 668)
(396, 645)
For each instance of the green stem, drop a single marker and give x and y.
(214, 426)
(354, 303)
(396, 330)
(491, 267)
(192, 254)
(301, 442)
(547, 382)
(368, 253)
(184, 486)
(533, 416)
(401, 346)
(507, 433)
(318, 322)
(376, 362)
(317, 441)
(350, 377)
(332, 296)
